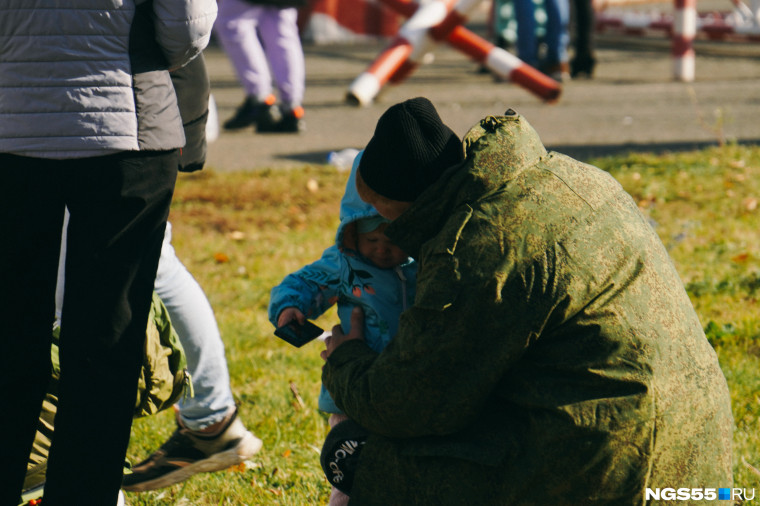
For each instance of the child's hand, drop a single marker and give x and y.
(289, 314)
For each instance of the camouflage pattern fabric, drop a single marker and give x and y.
(552, 356)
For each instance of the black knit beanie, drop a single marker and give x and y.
(409, 151)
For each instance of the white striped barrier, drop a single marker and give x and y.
(505, 64)
(716, 26)
(434, 34)
(411, 36)
(682, 41)
(428, 24)
(684, 26)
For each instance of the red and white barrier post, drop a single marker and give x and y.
(501, 62)
(426, 26)
(505, 64)
(684, 31)
(435, 34)
(737, 25)
(368, 84)
(411, 37)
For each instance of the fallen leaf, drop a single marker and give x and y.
(221, 258)
(238, 468)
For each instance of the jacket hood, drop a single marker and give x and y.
(498, 148)
(352, 209)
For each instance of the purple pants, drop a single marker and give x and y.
(258, 38)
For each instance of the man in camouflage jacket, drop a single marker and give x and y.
(552, 356)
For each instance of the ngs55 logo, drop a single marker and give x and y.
(700, 494)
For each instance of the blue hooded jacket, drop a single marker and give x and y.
(342, 275)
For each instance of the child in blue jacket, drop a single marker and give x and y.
(362, 269)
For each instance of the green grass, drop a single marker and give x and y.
(241, 233)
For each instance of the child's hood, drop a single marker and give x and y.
(352, 208)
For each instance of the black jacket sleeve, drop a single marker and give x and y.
(191, 84)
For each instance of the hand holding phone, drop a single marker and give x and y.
(298, 334)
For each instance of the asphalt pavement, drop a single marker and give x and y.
(633, 103)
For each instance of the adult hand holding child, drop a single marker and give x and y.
(338, 337)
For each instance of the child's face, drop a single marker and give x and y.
(379, 250)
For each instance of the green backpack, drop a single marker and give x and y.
(163, 380)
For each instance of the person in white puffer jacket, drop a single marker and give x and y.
(89, 122)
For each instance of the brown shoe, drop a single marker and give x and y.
(188, 452)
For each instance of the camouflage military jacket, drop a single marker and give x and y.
(552, 355)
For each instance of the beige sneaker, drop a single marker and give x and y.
(188, 452)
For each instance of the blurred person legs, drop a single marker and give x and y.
(119, 204)
(583, 61)
(258, 38)
(209, 435)
(555, 61)
(527, 39)
(282, 42)
(193, 318)
(503, 24)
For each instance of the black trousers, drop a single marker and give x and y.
(584, 29)
(118, 208)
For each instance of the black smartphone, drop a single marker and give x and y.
(297, 334)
